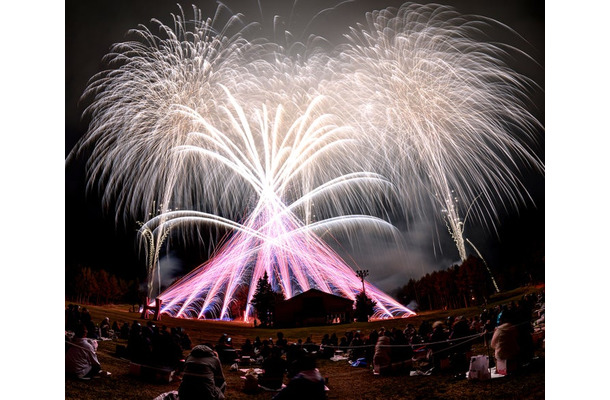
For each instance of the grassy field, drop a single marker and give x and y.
(345, 382)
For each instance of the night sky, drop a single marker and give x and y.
(91, 238)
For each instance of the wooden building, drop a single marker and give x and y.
(313, 307)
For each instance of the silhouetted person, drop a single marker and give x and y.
(438, 339)
(382, 359)
(275, 368)
(281, 342)
(105, 328)
(185, 340)
(124, 331)
(138, 348)
(247, 349)
(203, 378)
(459, 348)
(306, 384)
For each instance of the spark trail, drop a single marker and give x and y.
(209, 121)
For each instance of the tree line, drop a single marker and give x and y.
(465, 285)
(85, 285)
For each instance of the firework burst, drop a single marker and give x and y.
(411, 112)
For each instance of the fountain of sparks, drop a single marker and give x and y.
(210, 123)
(446, 105)
(273, 239)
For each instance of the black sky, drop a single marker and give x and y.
(92, 27)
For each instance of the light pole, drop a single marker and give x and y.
(363, 273)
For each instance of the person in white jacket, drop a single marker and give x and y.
(505, 340)
(81, 357)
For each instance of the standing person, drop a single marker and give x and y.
(81, 357)
(203, 377)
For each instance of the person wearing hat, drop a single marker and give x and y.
(202, 377)
(438, 343)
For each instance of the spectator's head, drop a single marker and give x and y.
(202, 351)
(81, 331)
(508, 316)
(305, 362)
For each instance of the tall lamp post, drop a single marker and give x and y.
(363, 273)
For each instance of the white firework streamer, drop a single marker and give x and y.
(205, 120)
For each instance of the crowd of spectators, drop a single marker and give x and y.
(506, 329)
(290, 367)
(147, 343)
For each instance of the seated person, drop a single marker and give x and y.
(401, 352)
(81, 357)
(310, 346)
(225, 350)
(439, 345)
(138, 347)
(124, 331)
(357, 350)
(327, 350)
(105, 328)
(281, 342)
(382, 359)
(505, 340)
(203, 377)
(307, 384)
(275, 368)
(247, 349)
(459, 346)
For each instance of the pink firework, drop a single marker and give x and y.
(274, 241)
(278, 237)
